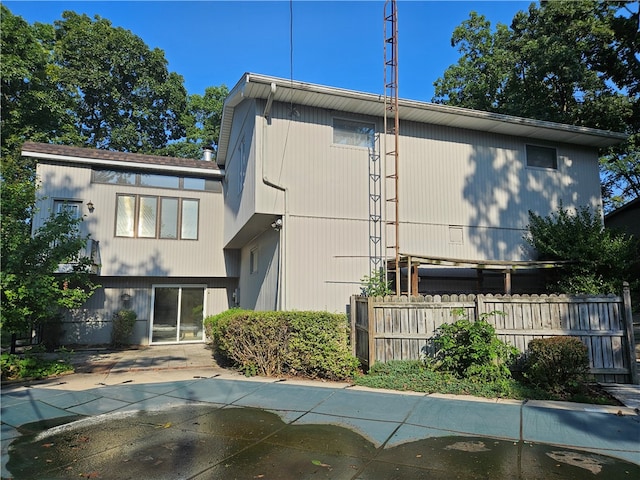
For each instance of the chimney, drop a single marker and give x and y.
(208, 153)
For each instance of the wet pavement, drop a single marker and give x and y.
(170, 412)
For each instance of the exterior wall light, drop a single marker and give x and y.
(90, 206)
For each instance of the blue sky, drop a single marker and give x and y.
(335, 43)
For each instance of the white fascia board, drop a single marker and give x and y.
(436, 113)
(136, 165)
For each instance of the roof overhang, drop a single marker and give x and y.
(262, 87)
(110, 163)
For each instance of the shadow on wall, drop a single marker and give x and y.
(500, 192)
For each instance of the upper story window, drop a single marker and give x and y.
(351, 132)
(542, 157)
(72, 207)
(175, 182)
(144, 216)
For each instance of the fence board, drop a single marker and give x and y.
(402, 330)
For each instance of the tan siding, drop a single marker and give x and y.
(138, 257)
(326, 260)
(259, 290)
(240, 202)
(323, 179)
(480, 182)
(91, 324)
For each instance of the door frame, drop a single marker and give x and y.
(180, 286)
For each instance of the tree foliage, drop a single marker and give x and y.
(31, 290)
(598, 259)
(202, 118)
(79, 81)
(570, 62)
(124, 97)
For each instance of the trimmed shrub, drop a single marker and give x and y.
(309, 344)
(319, 347)
(558, 365)
(122, 328)
(472, 350)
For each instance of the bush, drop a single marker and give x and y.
(29, 365)
(319, 347)
(598, 259)
(310, 344)
(558, 365)
(123, 323)
(472, 350)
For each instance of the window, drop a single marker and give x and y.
(189, 220)
(253, 261)
(541, 157)
(174, 182)
(168, 218)
(143, 216)
(74, 208)
(125, 215)
(349, 132)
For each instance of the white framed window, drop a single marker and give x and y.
(353, 133)
(253, 260)
(152, 180)
(542, 157)
(144, 216)
(72, 207)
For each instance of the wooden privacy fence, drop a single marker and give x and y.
(393, 328)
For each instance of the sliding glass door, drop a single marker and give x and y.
(177, 314)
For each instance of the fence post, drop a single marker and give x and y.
(371, 327)
(628, 323)
(353, 322)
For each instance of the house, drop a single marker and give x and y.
(156, 239)
(625, 218)
(294, 212)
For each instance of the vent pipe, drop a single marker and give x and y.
(208, 154)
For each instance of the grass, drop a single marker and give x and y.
(414, 376)
(32, 365)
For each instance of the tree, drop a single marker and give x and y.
(597, 260)
(32, 292)
(124, 97)
(569, 62)
(202, 118)
(32, 106)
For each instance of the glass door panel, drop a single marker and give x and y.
(165, 315)
(191, 314)
(178, 314)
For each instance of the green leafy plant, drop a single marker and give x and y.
(123, 324)
(375, 285)
(598, 260)
(414, 375)
(558, 365)
(31, 365)
(309, 344)
(472, 350)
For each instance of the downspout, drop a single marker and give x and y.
(282, 244)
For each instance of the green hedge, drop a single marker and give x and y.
(307, 344)
(558, 365)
